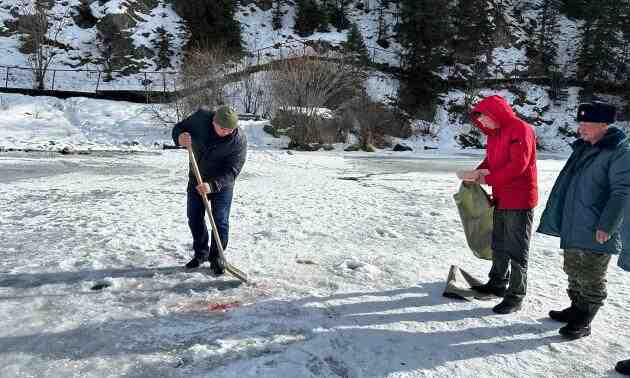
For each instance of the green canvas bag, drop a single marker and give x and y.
(476, 211)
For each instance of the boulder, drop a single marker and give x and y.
(68, 150)
(402, 147)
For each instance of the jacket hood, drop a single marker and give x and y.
(612, 139)
(495, 107)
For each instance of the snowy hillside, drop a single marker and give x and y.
(139, 22)
(82, 41)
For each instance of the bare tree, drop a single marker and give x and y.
(302, 85)
(250, 87)
(42, 27)
(200, 84)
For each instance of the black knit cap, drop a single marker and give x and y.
(597, 112)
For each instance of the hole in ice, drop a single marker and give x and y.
(101, 285)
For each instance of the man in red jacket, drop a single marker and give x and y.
(510, 169)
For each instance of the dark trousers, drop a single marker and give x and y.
(511, 236)
(220, 203)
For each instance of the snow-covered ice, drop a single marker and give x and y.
(348, 252)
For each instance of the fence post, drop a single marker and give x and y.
(98, 81)
(146, 87)
(6, 81)
(53, 80)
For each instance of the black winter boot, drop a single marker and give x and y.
(194, 263)
(564, 316)
(217, 264)
(623, 367)
(568, 313)
(580, 325)
(507, 307)
(198, 259)
(490, 288)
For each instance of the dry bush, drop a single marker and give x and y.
(255, 91)
(372, 122)
(199, 85)
(303, 85)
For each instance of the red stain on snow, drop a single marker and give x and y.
(222, 307)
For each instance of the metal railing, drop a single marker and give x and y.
(87, 80)
(98, 80)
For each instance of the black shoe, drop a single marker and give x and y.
(580, 325)
(217, 265)
(564, 316)
(507, 307)
(573, 331)
(623, 367)
(194, 263)
(488, 288)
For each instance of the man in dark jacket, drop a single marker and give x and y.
(510, 169)
(221, 149)
(585, 209)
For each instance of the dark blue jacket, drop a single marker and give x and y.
(220, 159)
(592, 193)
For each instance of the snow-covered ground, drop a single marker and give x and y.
(348, 254)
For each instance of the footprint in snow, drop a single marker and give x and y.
(385, 233)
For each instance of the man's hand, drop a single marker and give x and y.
(203, 188)
(601, 236)
(482, 176)
(474, 175)
(185, 140)
(468, 175)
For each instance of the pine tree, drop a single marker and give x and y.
(356, 45)
(624, 70)
(323, 16)
(576, 8)
(474, 26)
(163, 45)
(211, 22)
(543, 46)
(424, 31)
(307, 17)
(381, 31)
(598, 58)
(276, 15)
(338, 14)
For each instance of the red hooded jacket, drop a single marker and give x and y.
(510, 155)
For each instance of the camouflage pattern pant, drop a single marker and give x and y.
(587, 276)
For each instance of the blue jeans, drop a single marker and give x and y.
(220, 203)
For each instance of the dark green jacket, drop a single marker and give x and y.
(220, 159)
(591, 193)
